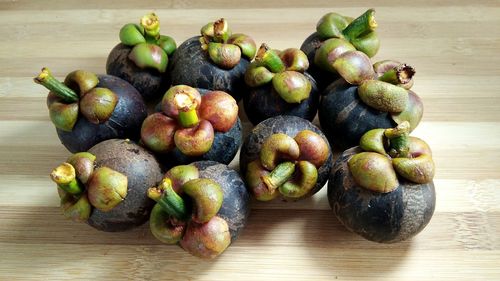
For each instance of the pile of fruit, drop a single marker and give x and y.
(152, 138)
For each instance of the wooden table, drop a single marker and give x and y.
(454, 45)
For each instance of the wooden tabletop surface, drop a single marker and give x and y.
(453, 45)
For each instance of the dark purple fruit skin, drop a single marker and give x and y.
(236, 206)
(263, 102)
(142, 171)
(150, 83)
(125, 122)
(223, 149)
(345, 118)
(323, 78)
(191, 66)
(380, 217)
(290, 125)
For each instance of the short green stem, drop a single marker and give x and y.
(270, 59)
(221, 31)
(398, 140)
(65, 178)
(189, 118)
(151, 24)
(46, 79)
(282, 173)
(169, 200)
(400, 74)
(361, 25)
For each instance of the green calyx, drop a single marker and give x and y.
(391, 152)
(224, 55)
(150, 48)
(147, 55)
(171, 214)
(254, 180)
(107, 188)
(98, 105)
(354, 66)
(342, 34)
(207, 197)
(75, 207)
(83, 162)
(284, 69)
(224, 48)
(383, 96)
(278, 147)
(302, 182)
(81, 186)
(77, 94)
(184, 124)
(287, 166)
(206, 194)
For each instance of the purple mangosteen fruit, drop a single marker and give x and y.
(216, 60)
(367, 97)
(142, 57)
(202, 207)
(336, 34)
(285, 156)
(383, 188)
(106, 186)
(277, 84)
(194, 124)
(88, 108)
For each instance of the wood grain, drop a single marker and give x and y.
(453, 45)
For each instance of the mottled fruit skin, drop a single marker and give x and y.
(149, 82)
(142, 171)
(345, 118)
(235, 206)
(190, 65)
(380, 217)
(223, 149)
(323, 78)
(289, 125)
(263, 102)
(125, 122)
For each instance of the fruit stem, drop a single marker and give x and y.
(65, 177)
(398, 140)
(361, 25)
(270, 59)
(221, 33)
(188, 116)
(46, 79)
(401, 74)
(282, 173)
(168, 199)
(151, 24)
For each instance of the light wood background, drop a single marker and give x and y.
(454, 46)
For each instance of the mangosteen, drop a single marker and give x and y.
(106, 186)
(88, 108)
(278, 85)
(141, 57)
(202, 207)
(367, 97)
(287, 156)
(383, 188)
(194, 124)
(336, 34)
(216, 60)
